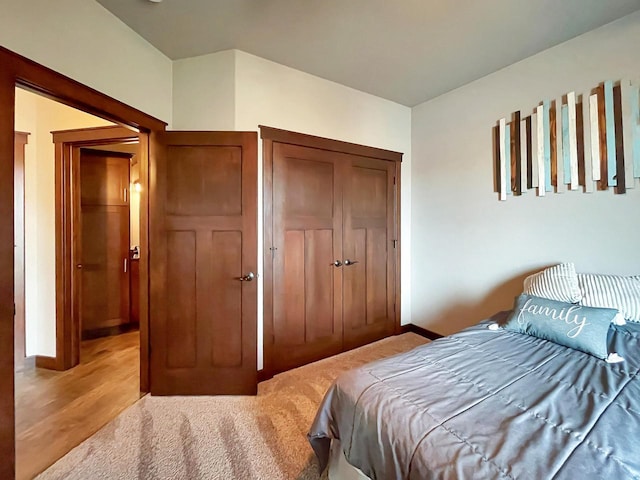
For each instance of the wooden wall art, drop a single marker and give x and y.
(583, 141)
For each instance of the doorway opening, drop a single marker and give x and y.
(79, 233)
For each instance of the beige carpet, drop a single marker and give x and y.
(262, 437)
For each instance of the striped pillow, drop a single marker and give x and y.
(612, 291)
(559, 282)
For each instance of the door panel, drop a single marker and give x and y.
(369, 219)
(204, 319)
(104, 245)
(307, 237)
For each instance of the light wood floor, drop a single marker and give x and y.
(56, 411)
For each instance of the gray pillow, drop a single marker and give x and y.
(575, 326)
(559, 282)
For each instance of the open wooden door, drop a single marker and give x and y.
(104, 244)
(204, 259)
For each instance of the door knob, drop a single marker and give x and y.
(348, 262)
(337, 263)
(248, 277)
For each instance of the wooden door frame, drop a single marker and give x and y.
(269, 136)
(67, 187)
(20, 71)
(21, 140)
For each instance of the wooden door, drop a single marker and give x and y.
(369, 251)
(203, 254)
(21, 140)
(307, 240)
(104, 245)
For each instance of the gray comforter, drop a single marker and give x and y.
(489, 404)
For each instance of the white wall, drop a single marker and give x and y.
(84, 41)
(39, 117)
(204, 92)
(267, 93)
(470, 251)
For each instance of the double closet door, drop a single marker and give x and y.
(333, 254)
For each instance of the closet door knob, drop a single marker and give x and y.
(337, 263)
(248, 277)
(348, 262)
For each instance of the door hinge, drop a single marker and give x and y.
(273, 251)
(394, 308)
(395, 242)
(14, 309)
(394, 180)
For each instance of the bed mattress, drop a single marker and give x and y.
(489, 404)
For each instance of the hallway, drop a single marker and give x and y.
(55, 411)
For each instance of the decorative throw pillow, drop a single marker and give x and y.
(575, 326)
(559, 282)
(612, 291)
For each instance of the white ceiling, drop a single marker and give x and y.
(408, 51)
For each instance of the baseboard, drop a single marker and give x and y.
(50, 363)
(108, 331)
(410, 327)
(264, 375)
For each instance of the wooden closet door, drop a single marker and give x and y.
(104, 246)
(307, 237)
(204, 317)
(369, 256)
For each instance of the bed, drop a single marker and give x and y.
(488, 403)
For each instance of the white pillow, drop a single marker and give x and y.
(559, 282)
(612, 291)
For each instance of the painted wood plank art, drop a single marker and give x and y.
(611, 134)
(516, 172)
(566, 162)
(634, 99)
(507, 158)
(602, 128)
(573, 140)
(627, 128)
(503, 171)
(592, 141)
(553, 142)
(540, 114)
(621, 179)
(561, 186)
(595, 137)
(524, 156)
(586, 144)
(547, 146)
(535, 171)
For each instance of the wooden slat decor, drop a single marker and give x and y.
(540, 115)
(603, 184)
(590, 140)
(611, 134)
(566, 161)
(561, 186)
(634, 99)
(547, 146)
(533, 126)
(553, 141)
(573, 140)
(503, 155)
(516, 165)
(507, 158)
(585, 143)
(595, 137)
(627, 131)
(525, 152)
